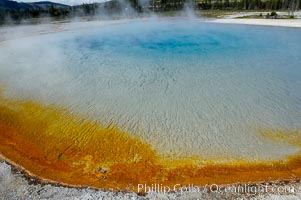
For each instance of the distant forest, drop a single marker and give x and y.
(169, 5)
(134, 7)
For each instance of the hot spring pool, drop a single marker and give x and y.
(187, 88)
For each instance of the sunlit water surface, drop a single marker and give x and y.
(185, 87)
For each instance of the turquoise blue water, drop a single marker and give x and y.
(184, 86)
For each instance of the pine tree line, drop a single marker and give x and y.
(140, 6)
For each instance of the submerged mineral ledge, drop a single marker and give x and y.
(55, 145)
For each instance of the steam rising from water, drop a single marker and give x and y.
(186, 87)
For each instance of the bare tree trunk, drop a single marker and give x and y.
(292, 7)
(298, 5)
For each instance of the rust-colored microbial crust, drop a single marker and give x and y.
(56, 145)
